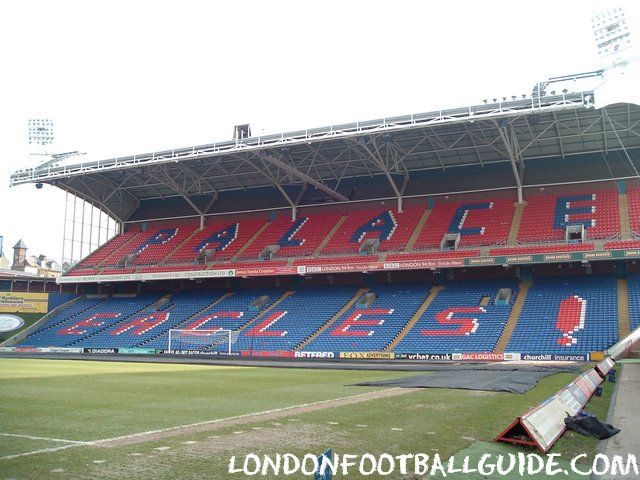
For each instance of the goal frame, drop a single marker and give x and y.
(203, 332)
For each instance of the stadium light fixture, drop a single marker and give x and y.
(40, 131)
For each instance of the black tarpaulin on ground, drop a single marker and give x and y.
(496, 378)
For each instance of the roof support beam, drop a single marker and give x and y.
(510, 141)
(172, 184)
(276, 183)
(380, 163)
(302, 176)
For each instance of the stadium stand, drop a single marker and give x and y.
(390, 227)
(107, 249)
(241, 240)
(223, 237)
(561, 315)
(152, 323)
(462, 318)
(298, 238)
(634, 300)
(62, 318)
(295, 318)
(478, 223)
(77, 328)
(545, 217)
(162, 242)
(230, 313)
(566, 315)
(373, 327)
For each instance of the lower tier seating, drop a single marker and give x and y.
(561, 315)
(634, 300)
(294, 319)
(462, 318)
(373, 327)
(568, 315)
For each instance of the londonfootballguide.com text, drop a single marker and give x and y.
(521, 464)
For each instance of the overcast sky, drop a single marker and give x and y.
(125, 77)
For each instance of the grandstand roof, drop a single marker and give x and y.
(511, 131)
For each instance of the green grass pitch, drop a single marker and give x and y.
(50, 402)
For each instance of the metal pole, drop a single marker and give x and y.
(73, 228)
(64, 228)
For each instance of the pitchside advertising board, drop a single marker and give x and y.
(11, 302)
(541, 426)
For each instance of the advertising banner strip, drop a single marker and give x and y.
(107, 351)
(137, 351)
(368, 355)
(364, 266)
(11, 302)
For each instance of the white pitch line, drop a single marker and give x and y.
(49, 439)
(235, 417)
(44, 450)
(208, 422)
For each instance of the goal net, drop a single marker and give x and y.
(202, 340)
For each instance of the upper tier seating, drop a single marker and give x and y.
(107, 249)
(568, 315)
(298, 238)
(478, 223)
(161, 243)
(225, 237)
(456, 320)
(374, 327)
(393, 229)
(545, 217)
(633, 199)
